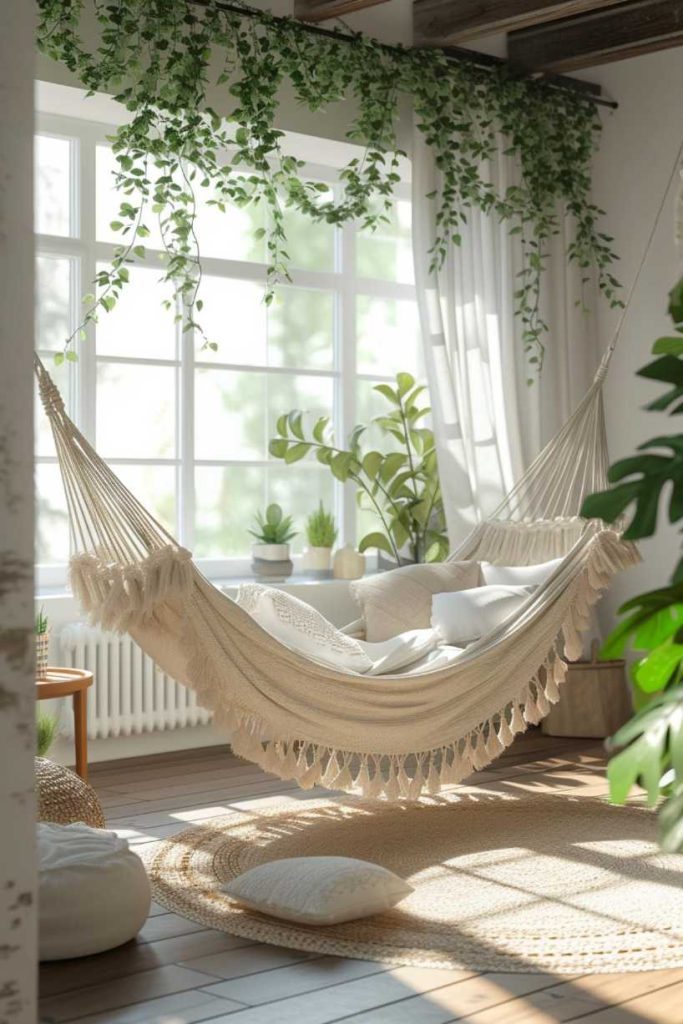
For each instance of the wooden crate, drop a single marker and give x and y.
(595, 700)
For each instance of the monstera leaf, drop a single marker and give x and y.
(640, 480)
(653, 749)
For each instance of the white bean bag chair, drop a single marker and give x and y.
(94, 893)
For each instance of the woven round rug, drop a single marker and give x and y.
(539, 883)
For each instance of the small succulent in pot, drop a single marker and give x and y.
(42, 633)
(273, 532)
(321, 531)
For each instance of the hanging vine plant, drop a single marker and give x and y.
(161, 59)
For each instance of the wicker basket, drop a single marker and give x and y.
(63, 797)
(42, 645)
(595, 700)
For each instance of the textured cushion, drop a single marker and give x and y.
(393, 602)
(440, 657)
(461, 617)
(318, 890)
(302, 628)
(519, 575)
(94, 893)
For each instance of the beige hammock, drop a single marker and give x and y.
(389, 736)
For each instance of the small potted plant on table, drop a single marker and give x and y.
(273, 533)
(42, 644)
(321, 531)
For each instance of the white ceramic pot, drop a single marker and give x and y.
(349, 564)
(42, 646)
(271, 552)
(318, 559)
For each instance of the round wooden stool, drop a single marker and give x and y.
(71, 682)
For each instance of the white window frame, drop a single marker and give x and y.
(86, 252)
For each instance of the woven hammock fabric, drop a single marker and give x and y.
(382, 736)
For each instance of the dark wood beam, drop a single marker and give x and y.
(443, 23)
(624, 30)
(320, 10)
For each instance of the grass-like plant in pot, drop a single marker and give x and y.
(42, 634)
(650, 745)
(401, 487)
(273, 532)
(47, 727)
(321, 533)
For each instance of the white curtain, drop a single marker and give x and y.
(489, 423)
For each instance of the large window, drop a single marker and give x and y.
(188, 429)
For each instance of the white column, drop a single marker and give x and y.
(17, 699)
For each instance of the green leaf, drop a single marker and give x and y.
(653, 741)
(653, 672)
(294, 419)
(391, 465)
(273, 514)
(371, 463)
(281, 425)
(339, 464)
(375, 540)
(278, 447)
(668, 346)
(296, 452)
(388, 392)
(405, 382)
(319, 429)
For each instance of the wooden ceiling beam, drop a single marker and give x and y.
(444, 23)
(624, 30)
(321, 10)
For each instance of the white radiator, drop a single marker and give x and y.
(130, 694)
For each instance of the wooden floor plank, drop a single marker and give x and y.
(182, 1008)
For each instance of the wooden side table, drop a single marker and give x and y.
(71, 682)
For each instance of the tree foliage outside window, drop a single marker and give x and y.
(162, 58)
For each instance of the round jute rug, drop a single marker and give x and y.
(550, 883)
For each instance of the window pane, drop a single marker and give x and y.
(226, 500)
(139, 325)
(300, 329)
(53, 296)
(387, 252)
(52, 185)
(230, 415)
(109, 201)
(44, 442)
(236, 412)
(136, 411)
(310, 243)
(230, 235)
(52, 524)
(234, 317)
(388, 336)
(298, 489)
(155, 488)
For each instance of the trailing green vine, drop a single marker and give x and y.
(162, 59)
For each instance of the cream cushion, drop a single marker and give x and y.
(302, 628)
(460, 618)
(400, 652)
(318, 890)
(519, 575)
(94, 893)
(401, 599)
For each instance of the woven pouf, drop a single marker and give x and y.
(64, 797)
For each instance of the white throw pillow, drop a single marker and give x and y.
(390, 656)
(437, 659)
(401, 599)
(466, 615)
(519, 575)
(318, 890)
(94, 893)
(302, 628)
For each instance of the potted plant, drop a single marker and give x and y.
(273, 532)
(42, 643)
(321, 532)
(400, 487)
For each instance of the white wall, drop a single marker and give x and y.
(639, 146)
(17, 700)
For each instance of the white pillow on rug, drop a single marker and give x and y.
(466, 615)
(302, 628)
(401, 599)
(519, 575)
(318, 890)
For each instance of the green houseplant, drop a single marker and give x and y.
(321, 533)
(650, 745)
(42, 634)
(47, 727)
(401, 488)
(273, 532)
